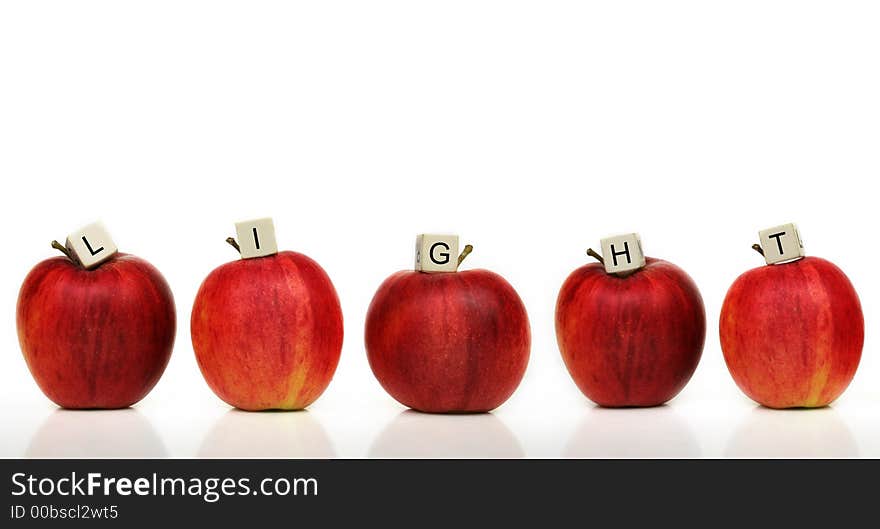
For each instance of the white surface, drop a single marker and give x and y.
(532, 129)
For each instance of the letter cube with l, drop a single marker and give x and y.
(256, 238)
(436, 253)
(623, 253)
(91, 245)
(781, 244)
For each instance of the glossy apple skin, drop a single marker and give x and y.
(267, 332)
(454, 342)
(97, 338)
(630, 341)
(792, 333)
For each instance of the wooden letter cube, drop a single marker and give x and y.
(623, 253)
(436, 253)
(91, 245)
(781, 244)
(256, 238)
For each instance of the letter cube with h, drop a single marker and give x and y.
(623, 253)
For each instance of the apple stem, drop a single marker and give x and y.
(63, 249)
(232, 242)
(592, 253)
(464, 253)
(757, 248)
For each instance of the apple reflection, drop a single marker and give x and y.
(414, 434)
(657, 432)
(273, 434)
(794, 433)
(121, 433)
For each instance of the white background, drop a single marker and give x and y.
(532, 129)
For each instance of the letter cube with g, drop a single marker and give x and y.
(623, 253)
(256, 238)
(436, 253)
(781, 244)
(91, 245)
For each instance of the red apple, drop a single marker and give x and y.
(792, 333)
(267, 331)
(631, 340)
(98, 338)
(448, 342)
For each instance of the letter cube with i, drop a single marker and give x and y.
(781, 244)
(91, 245)
(436, 253)
(256, 238)
(623, 253)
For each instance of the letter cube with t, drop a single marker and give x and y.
(436, 253)
(623, 253)
(781, 244)
(256, 238)
(91, 245)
